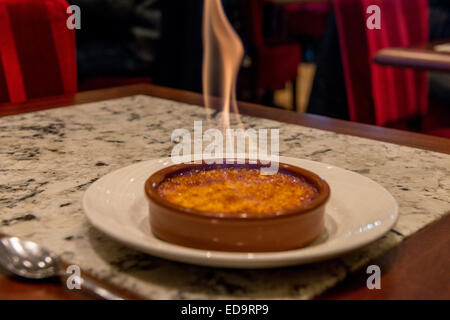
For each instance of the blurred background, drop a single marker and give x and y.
(303, 55)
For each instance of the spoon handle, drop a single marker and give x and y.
(99, 291)
(95, 287)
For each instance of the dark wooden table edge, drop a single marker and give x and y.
(415, 140)
(403, 138)
(353, 286)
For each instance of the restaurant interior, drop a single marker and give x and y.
(359, 91)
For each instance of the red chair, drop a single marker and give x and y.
(378, 94)
(37, 50)
(274, 63)
(308, 18)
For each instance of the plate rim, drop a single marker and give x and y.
(254, 260)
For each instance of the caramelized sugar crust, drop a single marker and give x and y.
(230, 190)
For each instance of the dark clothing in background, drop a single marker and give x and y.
(161, 39)
(118, 37)
(440, 29)
(180, 53)
(328, 94)
(439, 19)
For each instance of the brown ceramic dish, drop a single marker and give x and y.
(237, 231)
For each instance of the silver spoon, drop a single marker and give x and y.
(28, 260)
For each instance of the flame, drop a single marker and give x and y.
(222, 55)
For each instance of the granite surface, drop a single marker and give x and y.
(49, 158)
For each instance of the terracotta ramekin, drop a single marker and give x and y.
(271, 231)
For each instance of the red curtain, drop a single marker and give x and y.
(37, 50)
(380, 94)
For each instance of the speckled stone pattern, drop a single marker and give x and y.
(49, 158)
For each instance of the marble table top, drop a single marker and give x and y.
(49, 158)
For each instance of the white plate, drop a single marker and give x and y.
(359, 212)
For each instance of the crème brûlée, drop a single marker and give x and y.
(236, 190)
